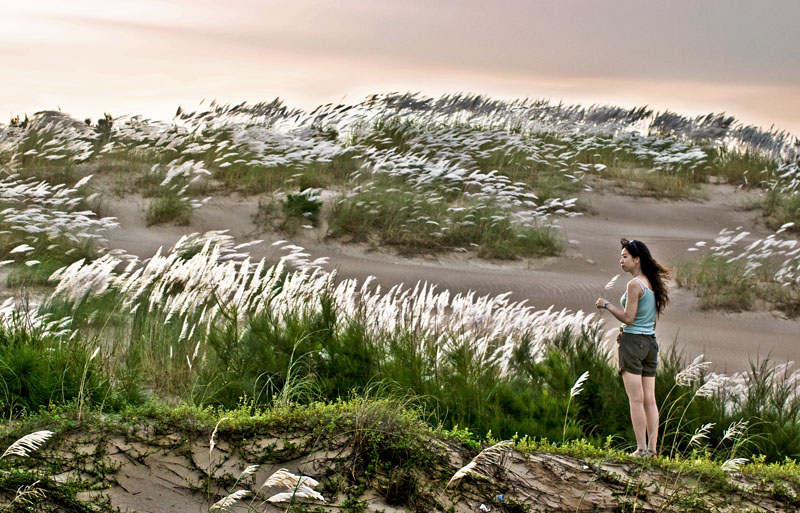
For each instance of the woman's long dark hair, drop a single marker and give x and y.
(655, 272)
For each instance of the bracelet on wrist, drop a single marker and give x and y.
(605, 305)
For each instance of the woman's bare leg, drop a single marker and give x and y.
(650, 411)
(633, 387)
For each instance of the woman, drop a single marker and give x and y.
(643, 301)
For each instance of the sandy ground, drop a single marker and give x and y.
(574, 281)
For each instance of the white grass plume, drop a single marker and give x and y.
(482, 464)
(302, 492)
(26, 493)
(212, 442)
(693, 372)
(229, 500)
(716, 382)
(286, 479)
(27, 444)
(611, 282)
(300, 486)
(577, 388)
(732, 465)
(249, 471)
(701, 434)
(735, 429)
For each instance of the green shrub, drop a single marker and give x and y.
(302, 207)
(169, 207)
(37, 370)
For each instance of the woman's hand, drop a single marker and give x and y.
(601, 302)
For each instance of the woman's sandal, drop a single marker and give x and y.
(643, 453)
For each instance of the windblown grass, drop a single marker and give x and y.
(719, 284)
(268, 336)
(781, 208)
(169, 207)
(730, 277)
(42, 228)
(258, 147)
(523, 158)
(417, 220)
(205, 325)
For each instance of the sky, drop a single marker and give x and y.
(148, 57)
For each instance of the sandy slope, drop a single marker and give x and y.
(729, 340)
(141, 470)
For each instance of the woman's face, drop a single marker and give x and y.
(626, 261)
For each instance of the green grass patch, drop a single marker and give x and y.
(51, 255)
(255, 178)
(169, 207)
(39, 368)
(657, 184)
(724, 285)
(390, 213)
(718, 283)
(21, 275)
(738, 167)
(781, 208)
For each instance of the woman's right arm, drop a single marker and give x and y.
(626, 316)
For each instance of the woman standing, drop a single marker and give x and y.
(643, 301)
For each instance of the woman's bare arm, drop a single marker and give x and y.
(631, 305)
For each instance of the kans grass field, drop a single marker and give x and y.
(370, 294)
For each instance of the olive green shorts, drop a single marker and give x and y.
(638, 354)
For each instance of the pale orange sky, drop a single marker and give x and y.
(147, 57)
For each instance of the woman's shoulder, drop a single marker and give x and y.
(636, 284)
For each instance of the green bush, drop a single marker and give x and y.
(169, 207)
(302, 207)
(37, 370)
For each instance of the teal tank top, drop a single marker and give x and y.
(645, 321)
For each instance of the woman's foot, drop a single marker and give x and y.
(642, 453)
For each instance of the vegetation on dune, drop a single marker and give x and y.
(346, 449)
(524, 158)
(390, 213)
(732, 278)
(44, 227)
(782, 208)
(291, 347)
(273, 336)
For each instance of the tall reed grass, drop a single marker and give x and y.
(205, 324)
